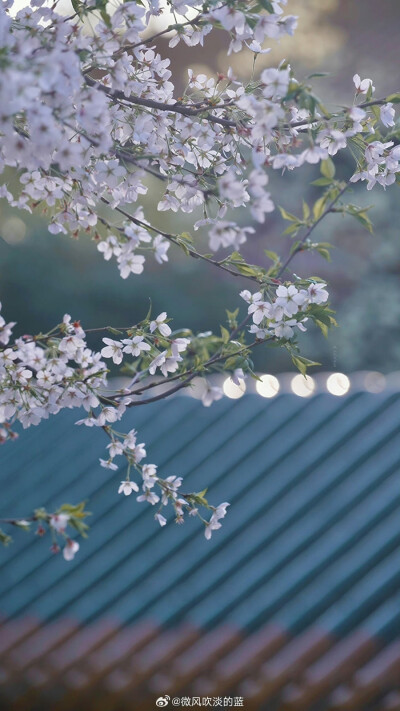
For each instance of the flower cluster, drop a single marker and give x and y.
(382, 164)
(77, 141)
(168, 489)
(58, 523)
(38, 377)
(86, 117)
(87, 120)
(41, 375)
(280, 317)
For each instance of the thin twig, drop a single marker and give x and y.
(311, 229)
(329, 117)
(174, 239)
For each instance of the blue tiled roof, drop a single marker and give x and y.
(312, 534)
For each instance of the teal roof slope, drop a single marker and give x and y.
(314, 491)
(294, 603)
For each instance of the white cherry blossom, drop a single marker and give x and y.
(210, 394)
(59, 522)
(70, 549)
(160, 325)
(134, 346)
(126, 487)
(113, 349)
(362, 85)
(387, 114)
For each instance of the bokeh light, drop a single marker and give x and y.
(338, 384)
(13, 230)
(232, 390)
(303, 386)
(374, 382)
(267, 386)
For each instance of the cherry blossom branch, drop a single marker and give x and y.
(126, 157)
(174, 239)
(57, 523)
(138, 162)
(326, 212)
(155, 36)
(62, 86)
(15, 521)
(284, 266)
(189, 375)
(330, 117)
(160, 105)
(194, 110)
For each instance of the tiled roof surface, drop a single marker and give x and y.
(293, 604)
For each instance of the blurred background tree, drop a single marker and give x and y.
(43, 276)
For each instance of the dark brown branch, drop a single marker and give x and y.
(176, 108)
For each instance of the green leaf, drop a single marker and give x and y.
(271, 255)
(225, 335)
(187, 237)
(296, 247)
(327, 168)
(306, 211)
(232, 315)
(360, 214)
(310, 102)
(231, 363)
(324, 252)
(232, 318)
(41, 514)
(106, 18)
(147, 317)
(77, 515)
(319, 207)
(21, 523)
(75, 511)
(292, 229)
(394, 98)
(182, 244)
(318, 74)
(321, 314)
(198, 498)
(375, 110)
(302, 363)
(235, 257)
(356, 146)
(363, 218)
(79, 526)
(4, 538)
(324, 111)
(267, 5)
(287, 215)
(322, 182)
(247, 270)
(324, 328)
